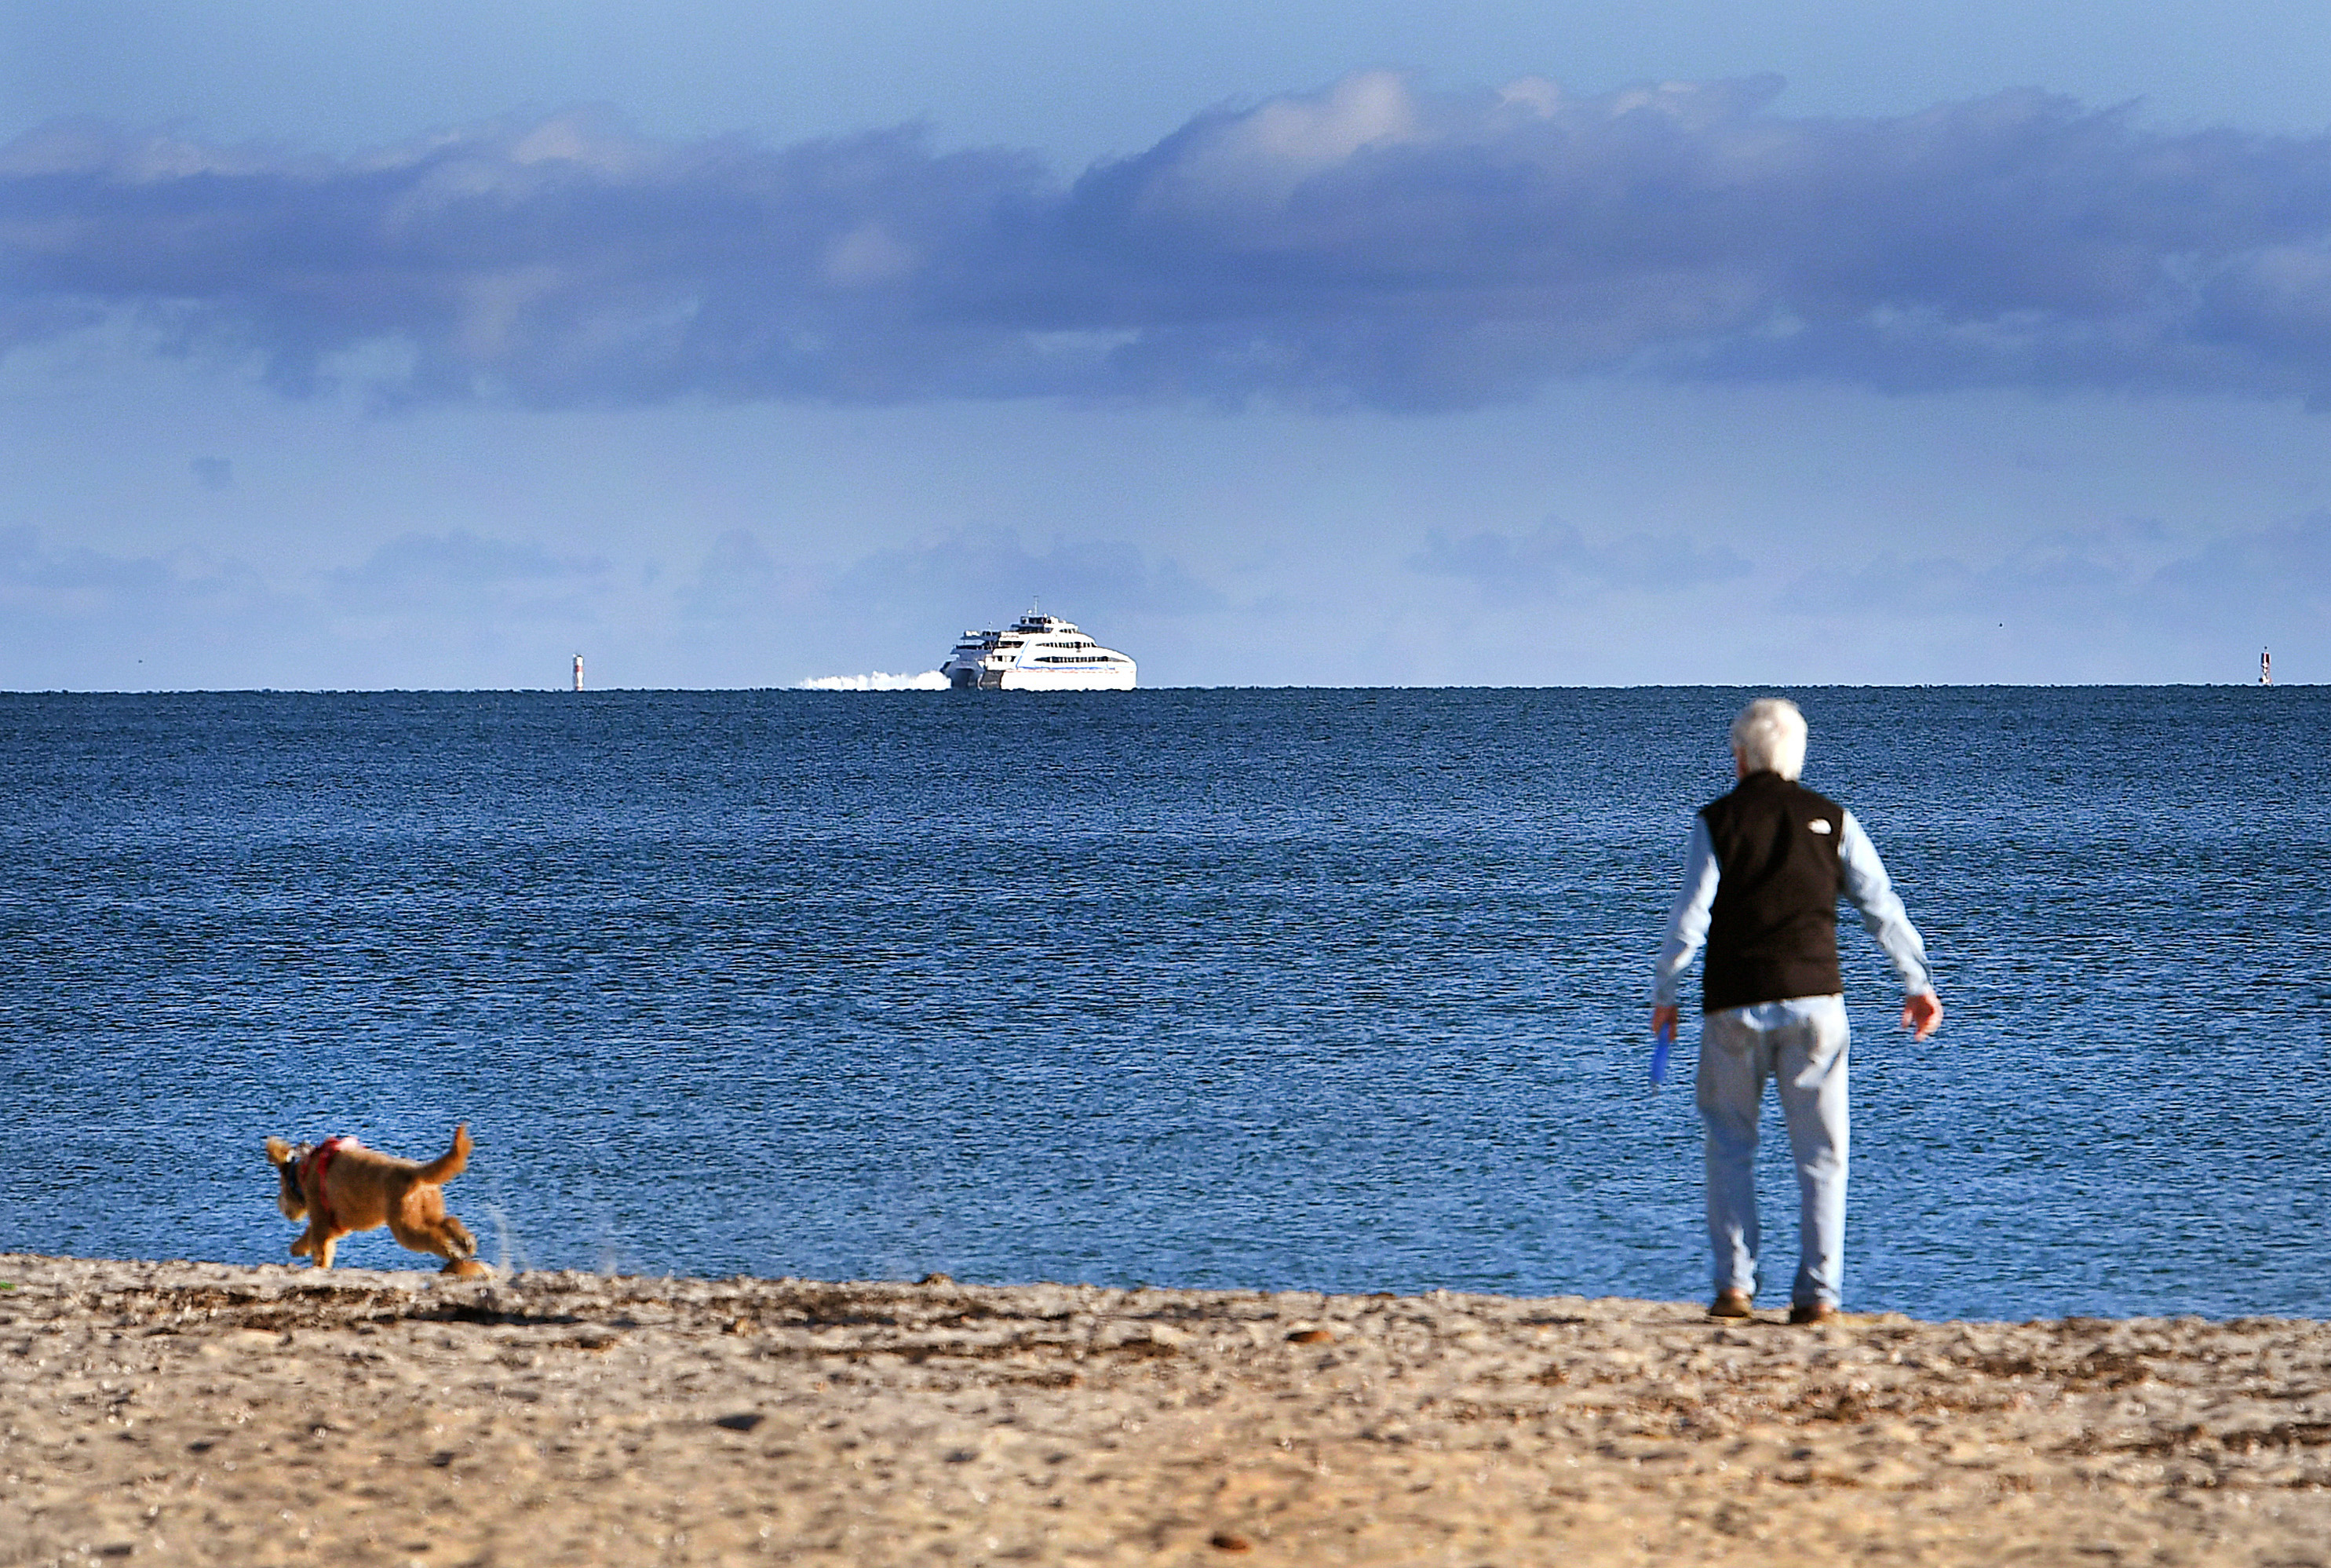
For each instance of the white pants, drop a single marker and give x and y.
(1802, 1043)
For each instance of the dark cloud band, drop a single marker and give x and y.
(1368, 244)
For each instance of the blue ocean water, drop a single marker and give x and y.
(1330, 989)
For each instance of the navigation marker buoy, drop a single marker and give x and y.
(578, 672)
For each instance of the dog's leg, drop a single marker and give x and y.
(324, 1250)
(464, 1244)
(442, 1234)
(419, 1220)
(461, 1249)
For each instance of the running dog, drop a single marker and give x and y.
(339, 1186)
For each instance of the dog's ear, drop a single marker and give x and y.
(279, 1153)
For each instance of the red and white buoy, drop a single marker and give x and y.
(578, 672)
(2266, 667)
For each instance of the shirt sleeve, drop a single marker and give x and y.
(1871, 892)
(1687, 921)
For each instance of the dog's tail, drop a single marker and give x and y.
(452, 1162)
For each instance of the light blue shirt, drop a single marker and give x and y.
(1866, 885)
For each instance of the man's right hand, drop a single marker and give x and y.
(1922, 1014)
(1667, 1018)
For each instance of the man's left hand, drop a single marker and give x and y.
(1922, 1014)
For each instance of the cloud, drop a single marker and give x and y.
(77, 583)
(2132, 578)
(2055, 572)
(67, 609)
(1368, 244)
(975, 576)
(461, 571)
(2277, 577)
(1556, 561)
(736, 581)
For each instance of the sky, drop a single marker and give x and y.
(736, 344)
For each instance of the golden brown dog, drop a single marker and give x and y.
(339, 1186)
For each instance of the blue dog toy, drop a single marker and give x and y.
(1662, 1043)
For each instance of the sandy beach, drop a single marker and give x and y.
(206, 1413)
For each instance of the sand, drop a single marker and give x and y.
(192, 1412)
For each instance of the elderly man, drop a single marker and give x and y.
(1761, 883)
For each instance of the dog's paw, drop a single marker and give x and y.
(468, 1268)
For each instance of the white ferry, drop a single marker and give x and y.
(1039, 653)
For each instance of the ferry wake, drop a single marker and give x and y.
(1039, 653)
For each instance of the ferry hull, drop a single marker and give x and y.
(1117, 678)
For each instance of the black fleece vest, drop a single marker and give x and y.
(1773, 933)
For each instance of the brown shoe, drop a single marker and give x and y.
(1729, 1304)
(1813, 1312)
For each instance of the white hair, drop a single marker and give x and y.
(1770, 737)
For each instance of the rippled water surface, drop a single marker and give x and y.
(1330, 989)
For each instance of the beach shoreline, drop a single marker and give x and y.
(204, 1412)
